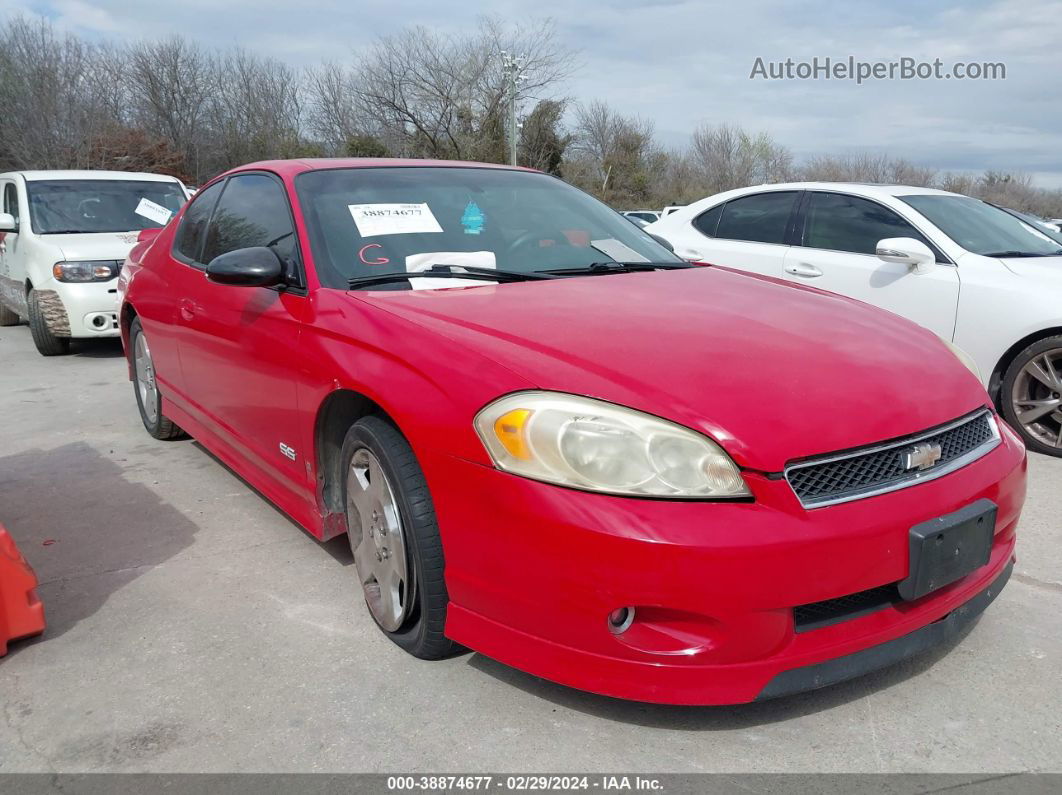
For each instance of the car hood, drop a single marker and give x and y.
(1045, 268)
(100, 245)
(770, 370)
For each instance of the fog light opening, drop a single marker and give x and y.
(99, 321)
(620, 619)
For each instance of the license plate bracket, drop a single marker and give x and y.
(948, 548)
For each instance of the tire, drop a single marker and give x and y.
(148, 396)
(48, 344)
(419, 629)
(1033, 384)
(8, 317)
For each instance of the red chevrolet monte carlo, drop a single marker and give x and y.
(553, 442)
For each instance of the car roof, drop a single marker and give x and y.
(90, 174)
(293, 167)
(861, 188)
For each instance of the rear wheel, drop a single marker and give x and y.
(148, 397)
(48, 344)
(8, 317)
(393, 534)
(1032, 396)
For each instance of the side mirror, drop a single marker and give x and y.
(247, 267)
(8, 223)
(145, 235)
(915, 254)
(662, 241)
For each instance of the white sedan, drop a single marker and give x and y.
(978, 276)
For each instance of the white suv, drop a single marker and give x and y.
(978, 276)
(63, 237)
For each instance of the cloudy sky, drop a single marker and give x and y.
(683, 63)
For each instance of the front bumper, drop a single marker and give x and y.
(87, 309)
(533, 571)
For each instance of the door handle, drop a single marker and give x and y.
(187, 309)
(804, 270)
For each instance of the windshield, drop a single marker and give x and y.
(983, 229)
(1037, 223)
(101, 205)
(366, 221)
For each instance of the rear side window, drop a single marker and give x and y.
(707, 222)
(253, 211)
(190, 235)
(761, 218)
(837, 222)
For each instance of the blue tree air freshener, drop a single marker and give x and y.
(472, 219)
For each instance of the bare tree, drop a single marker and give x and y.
(169, 84)
(614, 156)
(729, 157)
(333, 115)
(254, 111)
(443, 96)
(48, 95)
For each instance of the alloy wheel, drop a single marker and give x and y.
(145, 378)
(378, 541)
(1037, 397)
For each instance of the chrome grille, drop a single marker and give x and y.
(875, 470)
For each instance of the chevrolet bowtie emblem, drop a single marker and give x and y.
(921, 456)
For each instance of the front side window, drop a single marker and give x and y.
(188, 242)
(837, 222)
(87, 206)
(983, 229)
(11, 200)
(252, 211)
(761, 218)
(367, 221)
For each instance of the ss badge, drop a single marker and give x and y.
(288, 452)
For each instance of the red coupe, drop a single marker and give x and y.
(553, 442)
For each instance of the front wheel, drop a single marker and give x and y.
(1031, 396)
(47, 343)
(393, 534)
(146, 388)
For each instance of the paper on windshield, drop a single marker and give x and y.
(393, 219)
(153, 212)
(472, 259)
(620, 252)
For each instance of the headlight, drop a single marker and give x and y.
(96, 270)
(963, 357)
(598, 446)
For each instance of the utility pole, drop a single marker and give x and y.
(513, 71)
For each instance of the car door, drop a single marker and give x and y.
(838, 235)
(748, 233)
(12, 269)
(170, 274)
(239, 345)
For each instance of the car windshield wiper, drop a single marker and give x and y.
(447, 272)
(596, 268)
(1024, 253)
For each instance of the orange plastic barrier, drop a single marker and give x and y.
(21, 612)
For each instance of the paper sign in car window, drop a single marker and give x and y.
(153, 212)
(620, 252)
(472, 259)
(393, 219)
